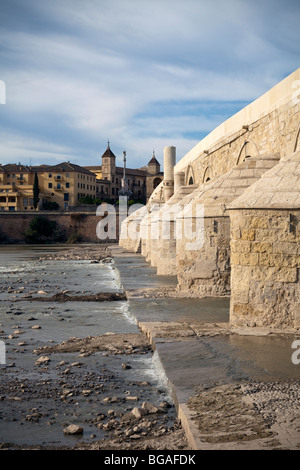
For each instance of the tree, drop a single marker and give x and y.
(36, 191)
(43, 230)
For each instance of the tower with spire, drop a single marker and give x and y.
(153, 165)
(108, 164)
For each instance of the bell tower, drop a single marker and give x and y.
(108, 164)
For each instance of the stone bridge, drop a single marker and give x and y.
(226, 217)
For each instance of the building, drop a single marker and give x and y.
(62, 185)
(141, 182)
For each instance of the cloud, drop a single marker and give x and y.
(141, 74)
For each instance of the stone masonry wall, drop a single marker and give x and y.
(206, 272)
(265, 263)
(274, 133)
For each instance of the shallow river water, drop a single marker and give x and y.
(187, 363)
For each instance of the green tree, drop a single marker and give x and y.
(36, 191)
(43, 230)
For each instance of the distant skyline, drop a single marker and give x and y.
(141, 74)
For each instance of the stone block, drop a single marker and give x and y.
(204, 269)
(286, 275)
(261, 247)
(248, 235)
(259, 222)
(286, 248)
(266, 235)
(240, 246)
(269, 259)
(249, 259)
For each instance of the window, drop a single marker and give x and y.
(66, 196)
(11, 199)
(50, 175)
(58, 186)
(2, 199)
(58, 177)
(67, 175)
(49, 185)
(67, 185)
(11, 208)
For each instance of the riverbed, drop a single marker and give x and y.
(95, 389)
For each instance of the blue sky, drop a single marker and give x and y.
(143, 74)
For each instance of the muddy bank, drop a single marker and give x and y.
(64, 297)
(130, 343)
(98, 253)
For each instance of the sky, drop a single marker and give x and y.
(140, 74)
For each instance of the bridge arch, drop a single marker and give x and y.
(249, 149)
(206, 175)
(190, 176)
(156, 182)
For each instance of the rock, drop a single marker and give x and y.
(138, 412)
(73, 429)
(42, 292)
(126, 366)
(36, 327)
(132, 398)
(42, 360)
(110, 400)
(165, 404)
(150, 408)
